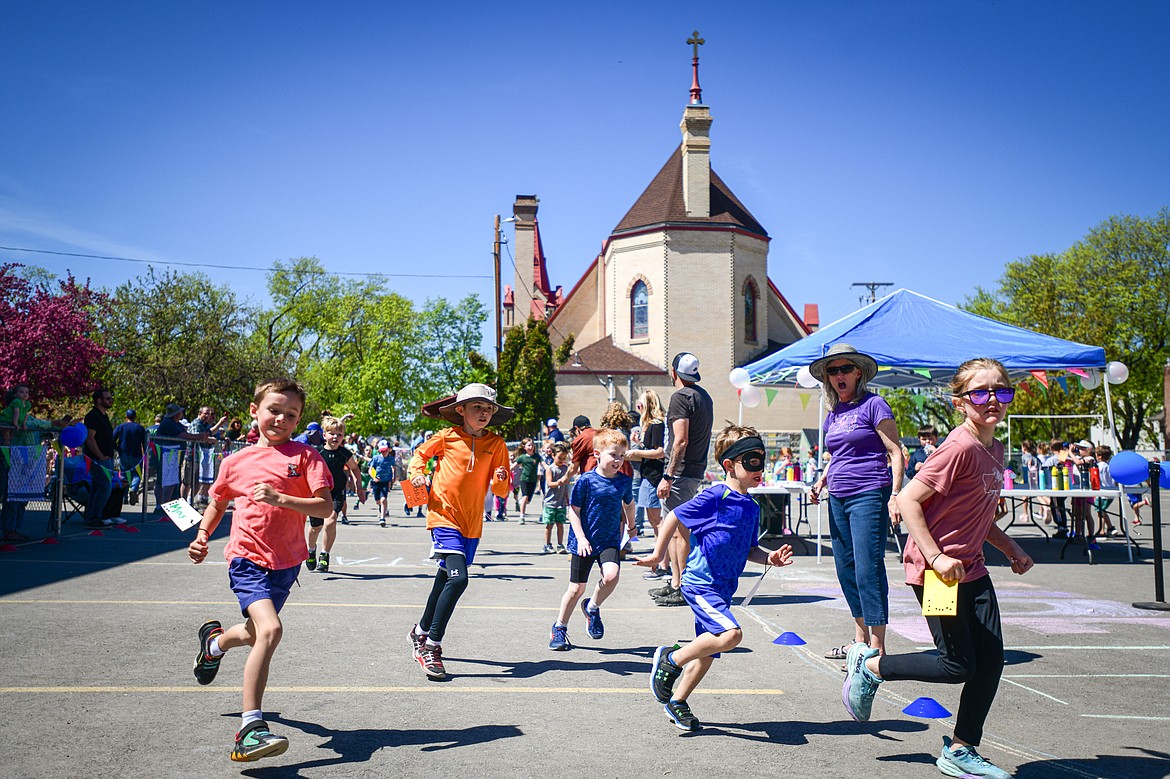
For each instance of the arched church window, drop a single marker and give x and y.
(640, 311)
(750, 297)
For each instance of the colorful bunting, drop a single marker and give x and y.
(1041, 376)
(1078, 372)
(1063, 382)
(804, 398)
(922, 372)
(771, 393)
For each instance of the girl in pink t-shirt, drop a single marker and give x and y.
(949, 511)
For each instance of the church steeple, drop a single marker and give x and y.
(696, 145)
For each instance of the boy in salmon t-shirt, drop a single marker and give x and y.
(274, 484)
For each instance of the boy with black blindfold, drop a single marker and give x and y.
(724, 523)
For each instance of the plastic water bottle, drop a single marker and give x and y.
(1045, 480)
(1094, 477)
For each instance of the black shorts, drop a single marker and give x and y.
(527, 488)
(579, 566)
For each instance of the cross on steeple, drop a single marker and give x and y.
(696, 90)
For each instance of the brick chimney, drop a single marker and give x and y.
(696, 160)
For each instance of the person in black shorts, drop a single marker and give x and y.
(602, 498)
(342, 463)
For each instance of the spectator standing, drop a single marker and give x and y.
(235, 430)
(651, 457)
(204, 464)
(582, 448)
(253, 435)
(170, 434)
(860, 433)
(18, 427)
(927, 443)
(99, 448)
(688, 425)
(130, 440)
(554, 433)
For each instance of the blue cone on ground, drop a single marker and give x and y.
(788, 639)
(927, 708)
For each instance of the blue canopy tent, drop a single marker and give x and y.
(919, 342)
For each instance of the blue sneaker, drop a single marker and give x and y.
(559, 639)
(593, 624)
(965, 761)
(682, 716)
(860, 685)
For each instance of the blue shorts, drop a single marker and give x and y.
(712, 610)
(648, 495)
(251, 582)
(448, 540)
(381, 489)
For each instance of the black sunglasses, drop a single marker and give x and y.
(844, 370)
(980, 397)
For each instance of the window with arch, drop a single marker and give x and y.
(751, 296)
(639, 310)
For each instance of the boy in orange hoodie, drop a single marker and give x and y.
(470, 459)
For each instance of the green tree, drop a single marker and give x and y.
(527, 378)
(1110, 289)
(180, 337)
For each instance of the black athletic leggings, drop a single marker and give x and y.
(450, 582)
(970, 652)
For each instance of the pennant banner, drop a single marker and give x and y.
(771, 393)
(1063, 382)
(1041, 376)
(804, 398)
(1078, 372)
(922, 372)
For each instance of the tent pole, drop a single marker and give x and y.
(1122, 502)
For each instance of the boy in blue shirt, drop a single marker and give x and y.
(724, 522)
(602, 498)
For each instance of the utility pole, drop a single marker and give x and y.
(873, 287)
(496, 294)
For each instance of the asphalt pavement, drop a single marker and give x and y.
(97, 639)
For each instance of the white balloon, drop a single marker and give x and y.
(1116, 372)
(739, 378)
(805, 378)
(1093, 380)
(750, 396)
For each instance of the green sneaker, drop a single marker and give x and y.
(965, 761)
(860, 685)
(256, 741)
(682, 716)
(311, 563)
(323, 562)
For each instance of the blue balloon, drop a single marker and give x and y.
(1164, 479)
(1129, 468)
(74, 435)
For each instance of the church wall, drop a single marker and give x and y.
(579, 314)
(627, 260)
(699, 297)
(750, 261)
(781, 328)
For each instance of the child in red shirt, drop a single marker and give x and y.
(274, 485)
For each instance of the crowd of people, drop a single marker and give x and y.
(608, 484)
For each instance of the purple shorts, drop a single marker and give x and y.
(251, 583)
(448, 540)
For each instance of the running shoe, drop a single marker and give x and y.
(431, 660)
(672, 598)
(593, 624)
(381, 523)
(654, 574)
(120, 521)
(323, 562)
(965, 761)
(658, 592)
(206, 666)
(547, 549)
(256, 741)
(559, 639)
(357, 504)
(417, 643)
(663, 674)
(311, 563)
(523, 520)
(344, 520)
(561, 549)
(860, 685)
(680, 714)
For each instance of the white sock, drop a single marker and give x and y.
(431, 644)
(593, 606)
(559, 624)
(213, 648)
(419, 633)
(255, 715)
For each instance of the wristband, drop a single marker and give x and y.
(935, 558)
(667, 477)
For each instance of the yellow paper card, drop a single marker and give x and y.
(939, 599)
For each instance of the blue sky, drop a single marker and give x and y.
(920, 143)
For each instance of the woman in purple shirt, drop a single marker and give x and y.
(864, 475)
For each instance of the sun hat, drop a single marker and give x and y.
(843, 351)
(686, 366)
(172, 409)
(1083, 444)
(476, 392)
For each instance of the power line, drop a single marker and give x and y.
(241, 267)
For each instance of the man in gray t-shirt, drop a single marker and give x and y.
(556, 498)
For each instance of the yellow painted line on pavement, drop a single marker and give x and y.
(509, 689)
(291, 605)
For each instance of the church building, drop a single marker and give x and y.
(686, 269)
